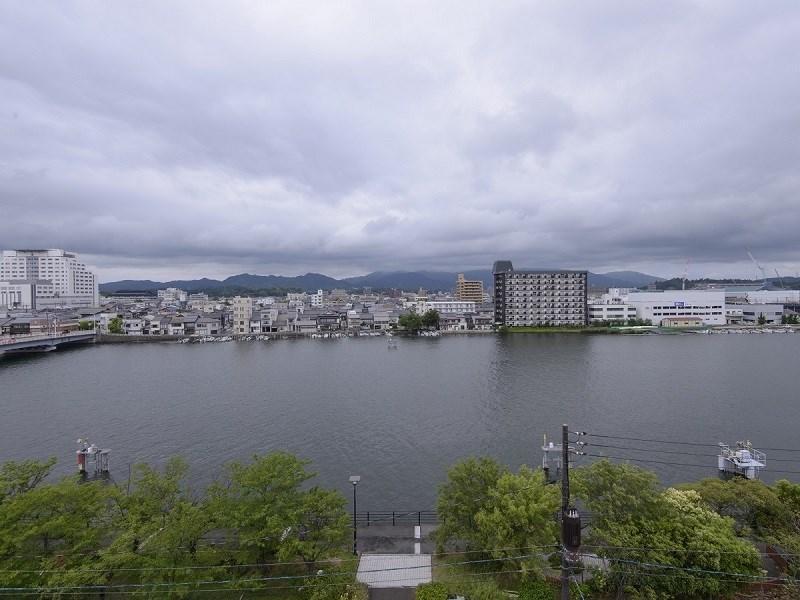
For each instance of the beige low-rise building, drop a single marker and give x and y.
(242, 312)
(678, 322)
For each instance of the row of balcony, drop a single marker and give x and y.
(556, 311)
(534, 288)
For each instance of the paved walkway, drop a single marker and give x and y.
(400, 539)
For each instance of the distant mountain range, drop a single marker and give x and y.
(404, 280)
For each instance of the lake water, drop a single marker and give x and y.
(400, 418)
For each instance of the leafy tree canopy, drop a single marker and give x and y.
(462, 496)
(636, 525)
(115, 325)
(517, 519)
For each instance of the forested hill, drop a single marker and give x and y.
(379, 280)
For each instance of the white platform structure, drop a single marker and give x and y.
(394, 570)
(743, 460)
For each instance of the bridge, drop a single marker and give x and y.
(46, 342)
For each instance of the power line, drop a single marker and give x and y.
(701, 571)
(687, 551)
(261, 579)
(770, 581)
(790, 460)
(262, 564)
(635, 439)
(680, 443)
(685, 571)
(456, 578)
(675, 464)
(265, 564)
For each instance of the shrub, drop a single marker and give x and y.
(431, 591)
(480, 590)
(536, 589)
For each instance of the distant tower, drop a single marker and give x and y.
(468, 291)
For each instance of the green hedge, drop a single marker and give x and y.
(431, 591)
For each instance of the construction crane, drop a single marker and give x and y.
(758, 266)
(685, 274)
(780, 279)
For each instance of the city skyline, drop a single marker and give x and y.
(164, 142)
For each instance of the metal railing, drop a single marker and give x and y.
(32, 337)
(411, 517)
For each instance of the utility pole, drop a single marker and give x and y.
(564, 507)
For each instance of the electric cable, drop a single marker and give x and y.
(680, 443)
(675, 464)
(790, 460)
(275, 577)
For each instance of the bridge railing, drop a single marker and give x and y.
(33, 337)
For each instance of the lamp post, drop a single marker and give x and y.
(354, 479)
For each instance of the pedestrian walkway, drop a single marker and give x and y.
(386, 539)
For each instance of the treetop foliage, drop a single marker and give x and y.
(153, 532)
(657, 543)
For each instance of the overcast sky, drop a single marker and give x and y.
(167, 139)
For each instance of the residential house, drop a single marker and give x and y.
(176, 326)
(207, 326)
(132, 326)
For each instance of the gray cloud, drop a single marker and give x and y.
(184, 139)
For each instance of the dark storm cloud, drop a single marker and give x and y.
(193, 139)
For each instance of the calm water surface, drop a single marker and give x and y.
(400, 417)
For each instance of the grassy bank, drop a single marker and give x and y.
(543, 329)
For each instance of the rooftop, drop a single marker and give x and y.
(394, 570)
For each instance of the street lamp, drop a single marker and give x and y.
(354, 479)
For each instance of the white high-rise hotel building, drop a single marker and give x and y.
(58, 278)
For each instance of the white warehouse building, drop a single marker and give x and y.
(772, 313)
(708, 305)
(611, 312)
(773, 297)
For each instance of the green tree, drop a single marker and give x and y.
(762, 320)
(430, 318)
(18, 477)
(155, 494)
(52, 527)
(154, 532)
(753, 505)
(410, 322)
(115, 325)
(787, 531)
(635, 524)
(158, 530)
(263, 502)
(85, 325)
(518, 519)
(616, 494)
(322, 528)
(767, 513)
(462, 496)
